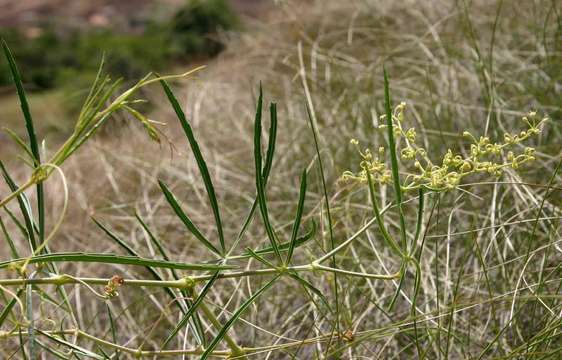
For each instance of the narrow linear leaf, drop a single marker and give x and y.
(191, 310)
(260, 186)
(70, 345)
(419, 220)
(103, 353)
(153, 238)
(113, 329)
(195, 322)
(115, 259)
(121, 243)
(30, 132)
(30, 320)
(301, 240)
(18, 223)
(394, 158)
(235, 317)
(328, 211)
(24, 208)
(267, 167)
(22, 343)
(298, 217)
(8, 307)
(185, 219)
(23, 102)
(199, 327)
(389, 240)
(271, 142)
(307, 285)
(52, 351)
(12, 246)
(199, 158)
(403, 271)
(260, 259)
(21, 143)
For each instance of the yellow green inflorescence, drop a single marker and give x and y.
(485, 157)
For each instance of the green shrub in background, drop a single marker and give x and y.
(53, 59)
(128, 56)
(42, 58)
(194, 26)
(36, 286)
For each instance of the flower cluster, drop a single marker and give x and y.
(113, 284)
(373, 164)
(485, 156)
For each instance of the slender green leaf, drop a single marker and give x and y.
(394, 158)
(195, 321)
(113, 329)
(18, 223)
(30, 320)
(403, 271)
(419, 220)
(34, 145)
(267, 167)
(70, 345)
(260, 259)
(9, 240)
(191, 310)
(380, 222)
(301, 240)
(154, 239)
(260, 186)
(18, 140)
(185, 219)
(22, 342)
(298, 217)
(8, 307)
(235, 317)
(199, 158)
(50, 350)
(24, 208)
(114, 259)
(199, 327)
(23, 103)
(328, 211)
(307, 285)
(271, 142)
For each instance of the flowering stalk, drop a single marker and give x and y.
(485, 157)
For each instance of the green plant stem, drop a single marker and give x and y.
(16, 193)
(66, 280)
(349, 240)
(388, 330)
(135, 352)
(232, 344)
(186, 283)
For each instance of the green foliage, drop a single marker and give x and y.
(486, 156)
(70, 60)
(194, 27)
(41, 59)
(129, 56)
(436, 288)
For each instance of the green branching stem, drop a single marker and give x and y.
(187, 282)
(232, 344)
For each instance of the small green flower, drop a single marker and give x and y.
(485, 157)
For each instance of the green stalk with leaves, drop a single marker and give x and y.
(195, 322)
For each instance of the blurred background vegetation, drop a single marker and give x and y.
(477, 65)
(50, 53)
(59, 49)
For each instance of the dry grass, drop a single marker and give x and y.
(491, 276)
